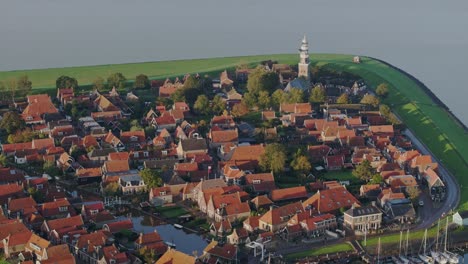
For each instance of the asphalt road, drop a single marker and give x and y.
(430, 212)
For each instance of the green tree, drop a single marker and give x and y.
(12, 122)
(301, 164)
(112, 189)
(148, 255)
(152, 178)
(202, 105)
(343, 99)
(3, 160)
(218, 105)
(240, 109)
(382, 90)
(413, 193)
(262, 80)
(296, 96)
(317, 95)
(99, 83)
(369, 99)
(178, 95)
(36, 195)
(66, 82)
(274, 158)
(384, 110)
(50, 169)
(264, 100)
(250, 99)
(364, 171)
(24, 85)
(117, 80)
(141, 82)
(376, 179)
(277, 98)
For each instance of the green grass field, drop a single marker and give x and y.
(431, 123)
(340, 175)
(171, 212)
(342, 247)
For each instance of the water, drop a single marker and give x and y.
(187, 243)
(427, 38)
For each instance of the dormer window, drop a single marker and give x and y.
(146, 154)
(256, 181)
(133, 138)
(93, 212)
(39, 186)
(162, 193)
(63, 208)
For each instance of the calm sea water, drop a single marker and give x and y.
(428, 38)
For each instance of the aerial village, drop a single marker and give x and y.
(248, 176)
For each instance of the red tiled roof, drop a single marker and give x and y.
(9, 148)
(61, 223)
(288, 194)
(44, 143)
(329, 200)
(224, 136)
(280, 214)
(116, 165)
(88, 172)
(119, 225)
(53, 208)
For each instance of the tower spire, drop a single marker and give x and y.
(304, 59)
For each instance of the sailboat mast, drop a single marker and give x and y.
(437, 238)
(401, 236)
(378, 252)
(425, 238)
(446, 234)
(407, 238)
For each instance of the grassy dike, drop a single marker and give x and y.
(431, 122)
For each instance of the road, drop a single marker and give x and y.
(452, 196)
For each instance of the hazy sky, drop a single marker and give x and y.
(429, 39)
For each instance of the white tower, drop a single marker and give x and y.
(304, 59)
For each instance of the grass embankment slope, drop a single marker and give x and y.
(432, 124)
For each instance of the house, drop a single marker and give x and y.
(118, 226)
(387, 195)
(268, 115)
(318, 153)
(460, 218)
(330, 200)
(400, 211)
(436, 186)
(335, 162)
(191, 146)
(145, 240)
(224, 80)
(260, 182)
(175, 257)
(297, 108)
(383, 131)
(38, 246)
(221, 137)
(261, 202)
(38, 106)
(165, 121)
(277, 218)
(89, 210)
(223, 122)
(21, 207)
(216, 253)
(288, 194)
(160, 195)
(245, 157)
(251, 224)
(112, 255)
(291, 232)
(113, 141)
(88, 175)
(133, 139)
(112, 167)
(400, 183)
(370, 191)
(16, 243)
(58, 230)
(238, 236)
(10, 191)
(57, 209)
(58, 253)
(421, 163)
(232, 212)
(363, 219)
(131, 184)
(221, 228)
(11, 175)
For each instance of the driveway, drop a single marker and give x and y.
(431, 212)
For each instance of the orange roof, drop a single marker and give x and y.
(432, 177)
(11, 228)
(252, 152)
(119, 156)
(89, 172)
(19, 239)
(288, 193)
(89, 141)
(280, 214)
(7, 148)
(261, 200)
(266, 115)
(408, 155)
(173, 256)
(115, 227)
(354, 121)
(38, 105)
(402, 181)
(223, 136)
(329, 200)
(26, 204)
(74, 221)
(97, 238)
(130, 136)
(381, 129)
(252, 221)
(159, 191)
(43, 143)
(105, 104)
(37, 241)
(186, 167)
(116, 165)
(421, 161)
(148, 238)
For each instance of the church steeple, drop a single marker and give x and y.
(304, 59)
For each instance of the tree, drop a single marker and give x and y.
(12, 122)
(413, 193)
(382, 90)
(317, 95)
(343, 99)
(141, 82)
(262, 80)
(369, 99)
(178, 95)
(274, 158)
(277, 98)
(202, 104)
(3, 160)
(148, 255)
(111, 189)
(384, 110)
(66, 82)
(36, 195)
(50, 169)
(364, 171)
(240, 109)
(152, 178)
(99, 83)
(116, 80)
(295, 95)
(218, 105)
(24, 85)
(263, 101)
(376, 179)
(301, 164)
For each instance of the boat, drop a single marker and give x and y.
(396, 260)
(415, 260)
(452, 258)
(404, 260)
(172, 245)
(438, 258)
(178, 226)
(425, 259)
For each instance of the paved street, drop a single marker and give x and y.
(430, 214)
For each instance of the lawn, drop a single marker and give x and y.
(433, 125)
(340, 175)
(342, 247)
(171, 212)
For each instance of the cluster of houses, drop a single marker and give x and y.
(217, 171)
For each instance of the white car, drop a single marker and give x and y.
(421, 203)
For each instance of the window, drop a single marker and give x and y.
(146, 154)
(135, 154)
(256, 181)
(39, 186)
(63, 208)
